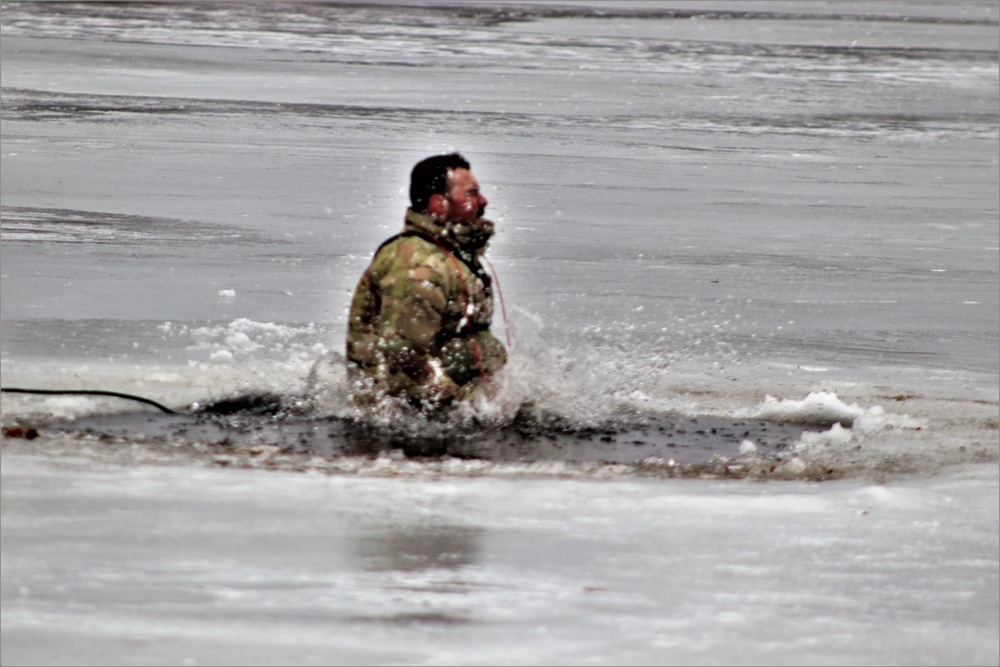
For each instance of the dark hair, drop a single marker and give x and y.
(430, 177)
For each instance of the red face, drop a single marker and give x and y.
(464, 203)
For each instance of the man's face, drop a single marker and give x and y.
(466, 203)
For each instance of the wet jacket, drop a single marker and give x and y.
(419, 325)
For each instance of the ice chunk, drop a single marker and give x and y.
(876, 419)
(792, 467)
(239, 341)
(819, 407)
(221, 357)
(824, 408)
(837, 435)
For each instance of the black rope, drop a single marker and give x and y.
(88, 392)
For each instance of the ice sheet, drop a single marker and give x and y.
(165, 565)
(779, 215)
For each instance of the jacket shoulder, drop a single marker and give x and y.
(408, 252)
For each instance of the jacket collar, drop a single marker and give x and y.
(465, 238)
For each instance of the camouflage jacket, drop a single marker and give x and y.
(420, 318)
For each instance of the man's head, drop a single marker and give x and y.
(443, 186)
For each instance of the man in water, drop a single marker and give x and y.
(419, 324)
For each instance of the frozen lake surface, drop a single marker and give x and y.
(179, 565)
(777, 216)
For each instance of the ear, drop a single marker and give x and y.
(437, 206)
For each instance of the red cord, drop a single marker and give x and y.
(503, 308)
